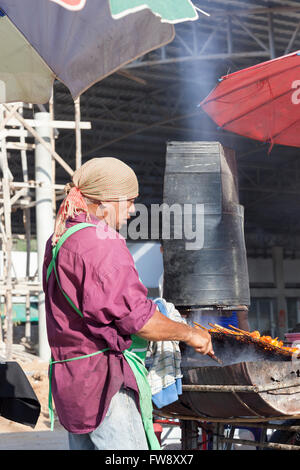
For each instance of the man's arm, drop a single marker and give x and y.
(161, 328)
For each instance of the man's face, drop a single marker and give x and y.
(116, 213)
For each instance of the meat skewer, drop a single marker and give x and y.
(200, 326)
(241, 331)
(222, 329)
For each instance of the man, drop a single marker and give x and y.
(95, 303)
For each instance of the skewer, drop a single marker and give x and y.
(241, 331)
(222, 329)
(200, 326)
(212, 356)
(215, 358)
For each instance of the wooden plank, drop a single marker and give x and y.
(54, 154)
(54, 124)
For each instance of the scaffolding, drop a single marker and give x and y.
(22, 137)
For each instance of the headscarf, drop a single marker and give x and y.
(99, 179)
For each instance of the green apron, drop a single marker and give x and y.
(135, 355)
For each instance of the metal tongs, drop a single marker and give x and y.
(213, 356)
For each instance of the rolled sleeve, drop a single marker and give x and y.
(119, 299)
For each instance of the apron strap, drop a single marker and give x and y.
(145, 397)
(62, 239)
(52, 264)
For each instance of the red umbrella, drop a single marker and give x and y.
(261, 102)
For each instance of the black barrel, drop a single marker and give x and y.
(204, 251)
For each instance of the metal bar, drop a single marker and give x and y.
(220, 388)
(292, 40)
(229, 439)
(271, 36)
(278, 272)
(222, 56)
(132, 77)
(195, 39)
(244, 421)
(249, 32)
(28, 323)
(145, 128)
(256, 11)
(267, 445)
(263, 436)
(208, 40)
(280, 427)
(189, 433)
(185, 45)
(229, 36)
(239, 388)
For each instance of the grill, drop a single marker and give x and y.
(255, 382)
(238, 393)
(262, 388)
(254, 379)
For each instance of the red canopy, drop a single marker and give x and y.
(261, 102)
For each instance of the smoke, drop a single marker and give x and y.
(229, 351)
(197, 45)
(227, 348)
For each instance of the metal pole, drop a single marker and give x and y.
(44, 217)
(8, 248)
(189, 435)
(28, 317)
(78, 133)
(271, 36)
(51, 111)
(229, 36)
(277, 255)
(27, 225)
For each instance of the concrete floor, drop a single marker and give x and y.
(34, 440)
(58, 440)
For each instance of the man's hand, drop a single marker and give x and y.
(200, 340)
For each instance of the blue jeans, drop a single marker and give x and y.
(121, 429)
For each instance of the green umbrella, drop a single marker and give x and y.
(170, 11)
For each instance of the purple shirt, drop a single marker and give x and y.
(99, 276)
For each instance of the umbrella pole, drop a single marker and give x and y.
(77, 133)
